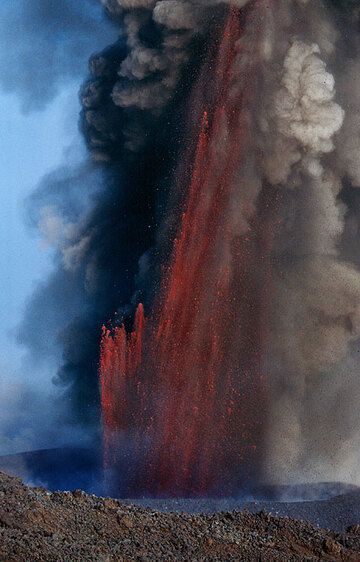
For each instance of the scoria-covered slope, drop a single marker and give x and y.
(39, 525)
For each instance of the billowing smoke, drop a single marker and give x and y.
(316, 320)
(141, 105)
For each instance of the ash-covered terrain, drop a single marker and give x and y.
(72, 526)
(331, 505)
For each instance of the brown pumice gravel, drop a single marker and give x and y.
(73, 526)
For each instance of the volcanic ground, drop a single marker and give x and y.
(329, 505)
(36, 524)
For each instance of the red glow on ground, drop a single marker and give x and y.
(191, 381)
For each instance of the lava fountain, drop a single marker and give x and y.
(188, 385)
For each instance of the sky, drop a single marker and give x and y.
(31, 145)
(50, 44)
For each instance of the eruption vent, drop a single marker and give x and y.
(192, 381)
(228, 375)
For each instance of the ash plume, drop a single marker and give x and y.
(316, 322)
(302, 145)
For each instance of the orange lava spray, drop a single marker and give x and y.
(191, 381)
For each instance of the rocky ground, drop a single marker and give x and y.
(338, 509)
(72, 526)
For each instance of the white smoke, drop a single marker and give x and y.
(306, 117)
(176, 15)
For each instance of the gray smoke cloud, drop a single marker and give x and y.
(44, 44)
(160, 39)
(312, 138)
(44, 50)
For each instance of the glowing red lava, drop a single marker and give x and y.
(190, 383)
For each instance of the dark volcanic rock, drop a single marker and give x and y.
(38, 525)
